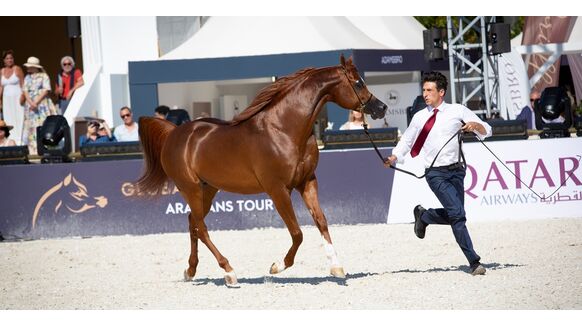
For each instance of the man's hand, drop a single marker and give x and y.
(474, 126)
(390, 160)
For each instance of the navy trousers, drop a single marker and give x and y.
(447, 185)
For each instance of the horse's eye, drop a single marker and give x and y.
(359, 84)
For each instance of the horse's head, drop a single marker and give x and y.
(352, 92)
(76, 198)
(70, 195)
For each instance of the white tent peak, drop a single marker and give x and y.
(251, 36)
(394, 32)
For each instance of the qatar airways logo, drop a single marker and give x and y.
(541, 175)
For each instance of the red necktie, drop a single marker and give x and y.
(423, 134)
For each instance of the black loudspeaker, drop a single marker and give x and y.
(178, 116)
(417, 106)
(111, 151)
(499, 38)
(14, 155)
(73, 26)
(433, 44)
(502, 130)
(578, 125)
(385, 137)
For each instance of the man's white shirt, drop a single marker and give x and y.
(121, 133)
(447, 123)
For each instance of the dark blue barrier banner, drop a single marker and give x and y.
(101, 198)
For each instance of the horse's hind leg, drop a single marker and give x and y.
(282, 200)
(193, 260)
(309, 194)
(199, 210)
(207, 196)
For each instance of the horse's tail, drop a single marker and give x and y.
(153, 133)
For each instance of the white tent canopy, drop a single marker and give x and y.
(251, 36)
(396, 32)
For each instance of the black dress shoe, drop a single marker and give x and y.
(419, 226)
(477, 269)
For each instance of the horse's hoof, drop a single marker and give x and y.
(277, 268)
(187, 277)
(338, 272)
(230, 279)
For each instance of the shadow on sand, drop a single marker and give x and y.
(464, 268)
(287, 280)
(341, 282)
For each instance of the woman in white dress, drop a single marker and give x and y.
(355, 121)
(10, 92)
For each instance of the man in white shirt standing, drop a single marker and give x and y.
(429, 129)
(128, 131)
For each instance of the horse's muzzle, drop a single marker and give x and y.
(376, 108)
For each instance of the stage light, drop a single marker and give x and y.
(53, 140)
(178, 116)
(553, 113)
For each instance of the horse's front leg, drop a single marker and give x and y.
(309, 194)
(282, 200)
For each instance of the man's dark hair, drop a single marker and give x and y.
(163, 109)
(438, 78)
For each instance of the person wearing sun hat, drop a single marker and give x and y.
(4, 134)
(38, 104)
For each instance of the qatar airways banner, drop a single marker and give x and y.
(492, 192)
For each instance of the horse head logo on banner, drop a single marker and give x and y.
(68, 196)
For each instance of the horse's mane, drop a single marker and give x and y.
(268, 93)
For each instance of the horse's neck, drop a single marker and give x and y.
(301, 105)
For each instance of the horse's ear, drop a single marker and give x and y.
(67, 179)
(350, 61)
(342, 60)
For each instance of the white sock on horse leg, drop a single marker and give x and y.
(331, 254)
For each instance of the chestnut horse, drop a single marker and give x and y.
(270, 147)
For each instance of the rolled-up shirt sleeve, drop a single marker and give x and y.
(469, 116)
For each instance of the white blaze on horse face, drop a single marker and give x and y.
(331, 254)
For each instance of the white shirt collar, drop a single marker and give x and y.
(440, 107)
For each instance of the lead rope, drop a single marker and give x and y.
(461, 155)
(459, 134)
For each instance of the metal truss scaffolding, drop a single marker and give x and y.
(472, 79)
